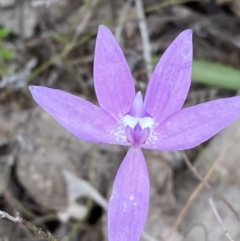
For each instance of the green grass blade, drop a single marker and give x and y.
(214, 74)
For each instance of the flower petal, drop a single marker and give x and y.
(192, 126)
(171, 79)
(128, 205)
(80, 117)
(113, 81)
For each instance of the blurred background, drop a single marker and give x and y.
(62, 184)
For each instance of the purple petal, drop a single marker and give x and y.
(192, 126)
(171, 79)
(113, 81)
(138, 109)
(79, 116)
(128, 205)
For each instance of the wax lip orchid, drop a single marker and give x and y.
(124, 118)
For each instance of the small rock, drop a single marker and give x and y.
(49, 150)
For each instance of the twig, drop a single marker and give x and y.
(70, 46)
(14, 202)
(122, 17)
(197, 191)
(145, 36)
(39, 3)
(21, 23)
(49, 41)
(27, 224)
(83, 23)
(163, 4)
(219, 219)
(209, 187)
(113, 10)
(62, 55)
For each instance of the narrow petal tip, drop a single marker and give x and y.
(139, 94)
(34, 90)
(187, 33)
(185, 37)
(104, 32)
(102, 28)
(39, 93)
(184, 40)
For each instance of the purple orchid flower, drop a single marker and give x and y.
(123, 118)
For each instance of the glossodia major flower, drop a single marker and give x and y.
(124, 118)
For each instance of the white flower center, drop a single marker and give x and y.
(144, 122)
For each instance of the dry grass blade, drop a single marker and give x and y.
(208, 186)
(198, 190)
(145, 36)
(82, 25)
(219, 219)
(27, 224)
(122, 17)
